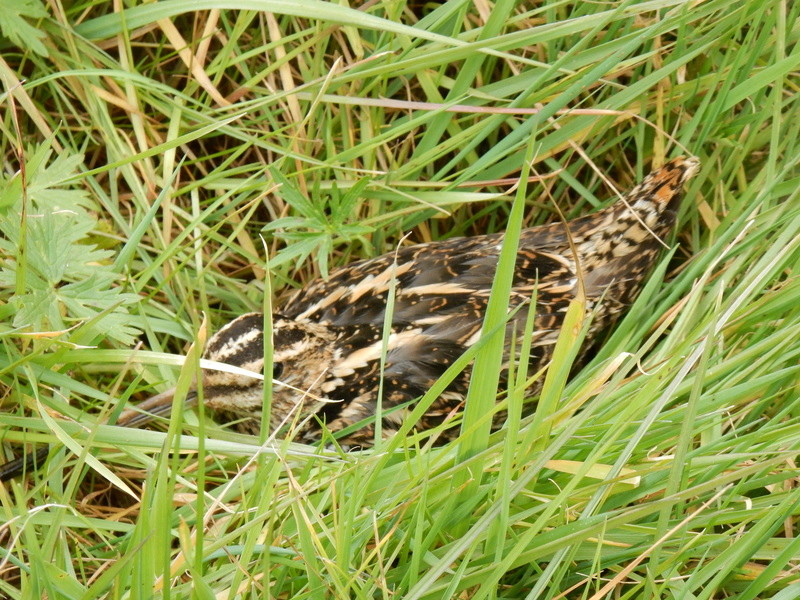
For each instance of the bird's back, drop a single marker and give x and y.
(445, 285)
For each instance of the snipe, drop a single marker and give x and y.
(327, 338)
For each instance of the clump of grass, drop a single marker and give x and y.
(145, 154)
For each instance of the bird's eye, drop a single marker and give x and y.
(277, 370)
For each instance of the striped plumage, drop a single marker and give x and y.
(327, 337)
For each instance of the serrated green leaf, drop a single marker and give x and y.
(13, 24)
(67, 280)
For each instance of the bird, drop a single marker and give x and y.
(327, 338)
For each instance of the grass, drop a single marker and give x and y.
(170, 150)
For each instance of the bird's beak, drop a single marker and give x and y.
(154, 407)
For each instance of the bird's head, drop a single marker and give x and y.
(302, 354)
(302, 357)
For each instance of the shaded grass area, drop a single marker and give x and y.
(146, 154)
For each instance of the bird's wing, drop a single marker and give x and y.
(437, 284)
